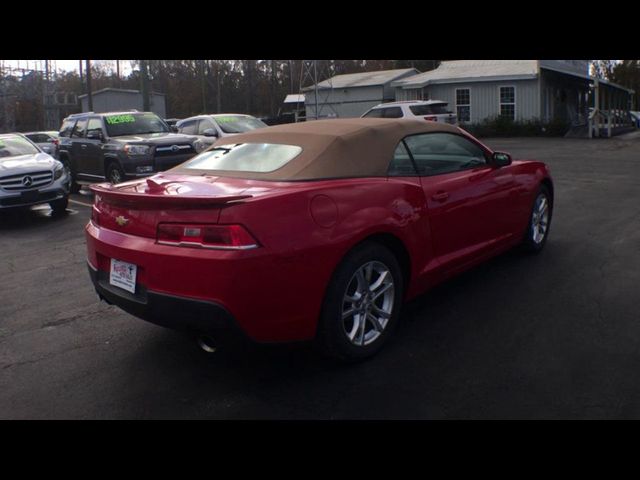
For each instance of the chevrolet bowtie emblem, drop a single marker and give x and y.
(122, 221)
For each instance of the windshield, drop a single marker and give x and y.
(14, 146)
(433, 109)
(238, 123)
(134, 124)
(244, 157)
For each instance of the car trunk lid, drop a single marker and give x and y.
(137, 207)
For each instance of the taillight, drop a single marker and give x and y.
(95, 213)
(431, 118)
(56, 142)
(226, 237)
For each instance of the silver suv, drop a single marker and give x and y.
(432, 110)
(210, 128)
(28, 176)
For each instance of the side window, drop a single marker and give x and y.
(94, 125)
(391, 112)
(205, 124)
(189, 127)
(375, 113)
(80, 128)
(401, 164)
(439, 153)
(67, 128)
(508, 102)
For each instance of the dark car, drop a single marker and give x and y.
(119, 146)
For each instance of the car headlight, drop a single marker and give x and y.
(199, 146)
(58, 170)
(136, 149)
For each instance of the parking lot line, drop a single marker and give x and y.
(81, 203)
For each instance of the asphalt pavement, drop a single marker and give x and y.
(551, 336)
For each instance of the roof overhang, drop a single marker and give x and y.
(589, 79)
(436, 81)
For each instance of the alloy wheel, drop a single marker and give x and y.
(115, 176)
(540, 219)
(368, 303)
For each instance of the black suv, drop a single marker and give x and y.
(118, 146)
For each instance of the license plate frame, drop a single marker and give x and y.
(123, 275)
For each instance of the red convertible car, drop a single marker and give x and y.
(317, 230)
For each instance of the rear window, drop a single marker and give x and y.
(375, 113)
(244, 157)
(388, 112)
(37, 137)
(435, 109)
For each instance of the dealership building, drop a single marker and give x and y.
(350, 95)
(479, 90)
(522, 90)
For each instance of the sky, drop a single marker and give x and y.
(68, 65)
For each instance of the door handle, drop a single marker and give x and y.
(83, 146)
(440, 196)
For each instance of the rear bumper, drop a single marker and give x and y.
(178, 313)
(207, 290)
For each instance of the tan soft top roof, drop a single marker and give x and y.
(340, 148)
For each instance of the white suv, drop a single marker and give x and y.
(432, 110)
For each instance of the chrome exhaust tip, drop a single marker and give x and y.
(207, 344)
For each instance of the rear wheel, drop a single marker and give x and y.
(539, 221)
(115, 173)
(362, 304)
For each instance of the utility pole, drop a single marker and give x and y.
(89, 96)
(290, 76)
(144, 78)
(118, 71)
(202, 86)
(218, 104)
(315, 83)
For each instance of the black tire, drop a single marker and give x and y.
(115, 173)
(529, 242)
(332, 338)
(59, 207)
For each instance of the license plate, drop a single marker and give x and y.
(123, 275)
(29, 196)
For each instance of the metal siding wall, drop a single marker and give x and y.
(388, 91)
(117, 101)
(344, 102)
(485, 98)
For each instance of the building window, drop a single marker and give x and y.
(508, 102)
(463, 104)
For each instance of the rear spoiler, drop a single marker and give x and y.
(159, 198)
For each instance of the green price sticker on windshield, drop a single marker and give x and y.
(116, 119)
(226, 119)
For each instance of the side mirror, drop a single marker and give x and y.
(94, 135)
(210, 132)
(174, 129)
(501, 159)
